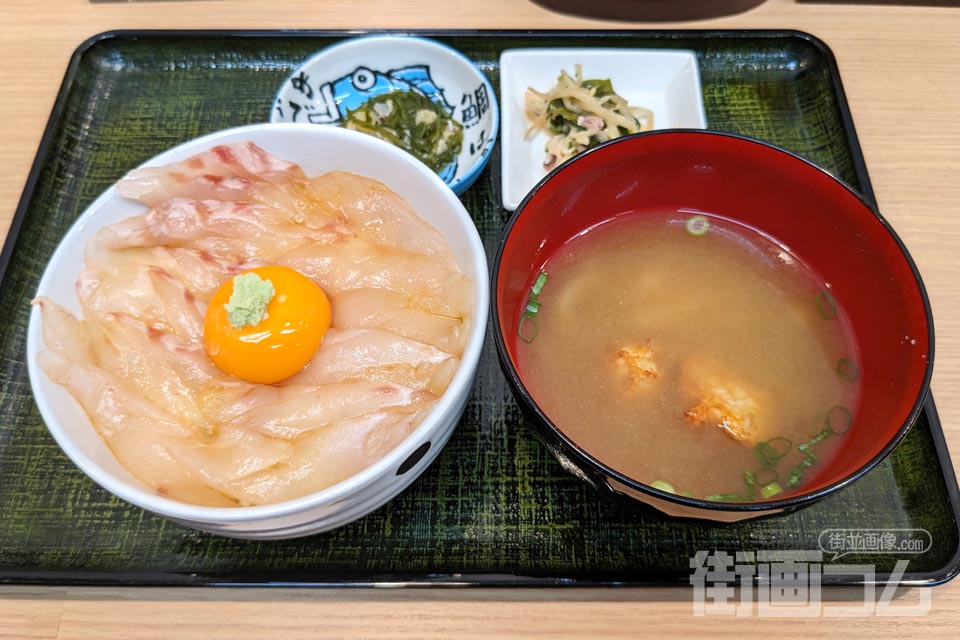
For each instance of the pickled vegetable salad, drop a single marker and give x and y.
(580, 114)
(413, 122)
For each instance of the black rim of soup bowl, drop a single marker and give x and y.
(598, 473)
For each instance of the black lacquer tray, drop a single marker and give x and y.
(495, 508)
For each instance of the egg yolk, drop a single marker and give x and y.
(280, 344)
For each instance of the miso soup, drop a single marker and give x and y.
(691, 353)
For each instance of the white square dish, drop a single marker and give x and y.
(665, 81)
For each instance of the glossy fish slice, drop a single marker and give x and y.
(63, 333)
(112, 405)
(149, 294)
(225, 172)
(252, 232)
(357, 264)
(235, 454)
(151, 460)
(376, 355)
(167, 371)
(290, 411)
(379, 214)
(326, 456)
(382, 309)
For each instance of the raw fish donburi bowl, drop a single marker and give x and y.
(397, 309)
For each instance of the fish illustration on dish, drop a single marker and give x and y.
(351, 91)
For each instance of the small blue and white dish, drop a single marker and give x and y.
(343, 77)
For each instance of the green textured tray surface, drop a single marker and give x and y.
(494, 503)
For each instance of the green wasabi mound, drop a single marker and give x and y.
(248, 303)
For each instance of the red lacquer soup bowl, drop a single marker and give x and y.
(824, 223)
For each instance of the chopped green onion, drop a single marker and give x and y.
(820, 437)
(762, 453)
(826, 305)
(530, 333)
(770, 452)
(725, 497)
(771, 490)
(538, 284)
(839, 419)
(847, 370)
(663, 486)
(794, 477)
(796, 474)
(782, 446)
(766, 476)
(751, 481)
(697, 225)
(529, 318)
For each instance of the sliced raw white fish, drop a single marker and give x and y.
(290, 411)
(220, 228)
(111, 403)
(387, 310)
(200, 272)
(151, 460)
(149, 294)
(225, 172)
(326, 456)
(377, 355)
(63, 333)
(165, 370)
(380, 214)
(234, 454)
(358, 264)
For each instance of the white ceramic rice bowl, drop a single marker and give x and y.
(317, 149)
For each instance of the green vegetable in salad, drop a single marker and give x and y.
(580, 114)
(413, 122)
